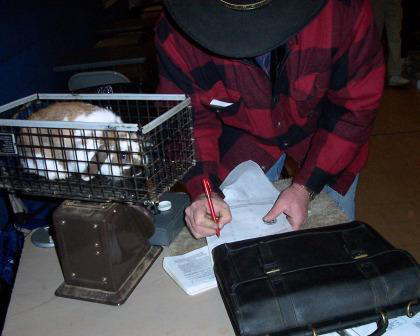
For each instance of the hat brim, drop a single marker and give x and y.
(240, 34)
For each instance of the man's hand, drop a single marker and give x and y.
(198, 218)
(293, 202)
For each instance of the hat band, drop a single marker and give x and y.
(245, 7)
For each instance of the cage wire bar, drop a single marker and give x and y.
(134, 161)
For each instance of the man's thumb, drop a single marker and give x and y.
(274, 212)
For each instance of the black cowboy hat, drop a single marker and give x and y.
(242, 28)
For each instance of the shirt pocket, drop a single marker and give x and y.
(219, 95)
(308, 90)
(223, 105)
(225, 111)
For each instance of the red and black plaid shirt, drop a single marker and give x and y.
(319, 110)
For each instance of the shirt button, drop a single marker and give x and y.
(285, 143)
(263, 168)
(278, 124)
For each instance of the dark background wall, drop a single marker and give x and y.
(33, 35)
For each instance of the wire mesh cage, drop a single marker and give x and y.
(128, 148)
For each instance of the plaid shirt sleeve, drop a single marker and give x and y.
(348, 109)
(176, 75)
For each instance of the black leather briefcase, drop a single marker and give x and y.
(315, 281)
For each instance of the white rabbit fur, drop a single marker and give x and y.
(91, 152)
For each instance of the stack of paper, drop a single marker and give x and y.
(192, 271)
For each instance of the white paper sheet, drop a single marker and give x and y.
(219, 103)
(400, 326)
(250, 195)
(247, 182)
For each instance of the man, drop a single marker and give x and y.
(268, 78)
(388, 14)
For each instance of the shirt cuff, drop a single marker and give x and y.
(315, 179)
(194, 177)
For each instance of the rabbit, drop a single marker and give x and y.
(116, 156)
(57, 153)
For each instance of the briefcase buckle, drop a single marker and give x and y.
(274, 270)
(360, 256)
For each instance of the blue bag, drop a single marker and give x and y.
(11, 244)
(11, 240)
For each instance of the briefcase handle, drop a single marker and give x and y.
(382, 325)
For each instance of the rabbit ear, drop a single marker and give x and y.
(97, 160)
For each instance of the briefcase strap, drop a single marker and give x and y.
(378, 289)
(268, 262)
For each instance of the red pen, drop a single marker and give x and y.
(207, 191)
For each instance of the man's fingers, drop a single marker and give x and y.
(199, 231)
(274, 212)
(203, 219)
(224, 217)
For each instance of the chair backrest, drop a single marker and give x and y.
(83, 80)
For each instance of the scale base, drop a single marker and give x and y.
(112, 298)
